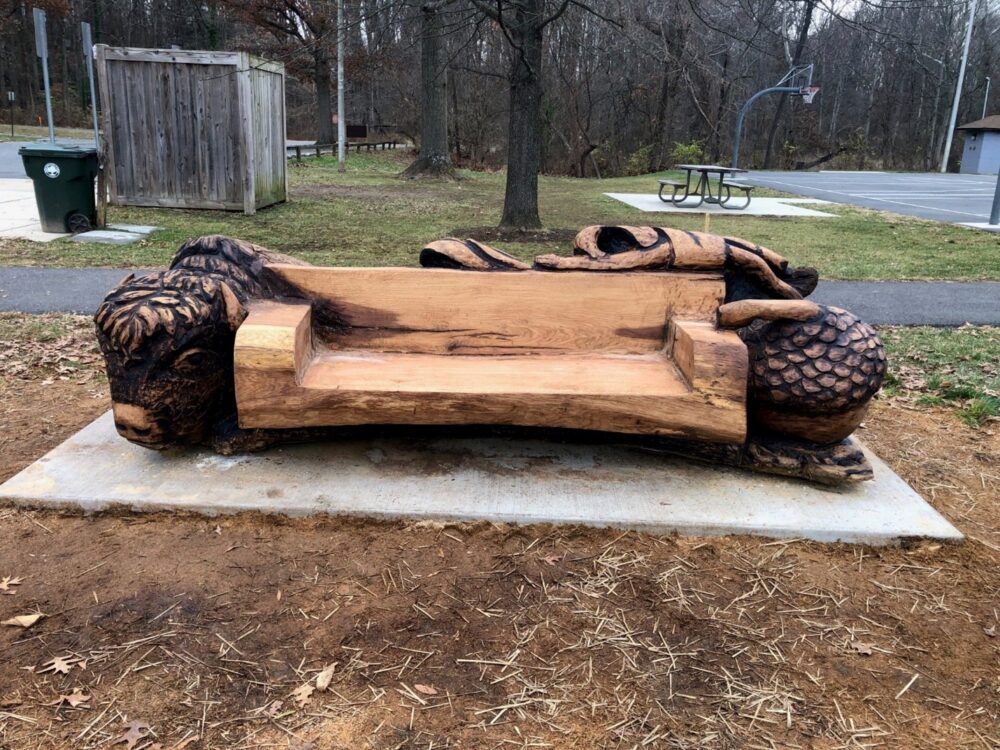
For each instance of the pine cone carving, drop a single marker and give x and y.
(813, 379)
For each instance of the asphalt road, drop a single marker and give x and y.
(36, 290)
(954, 198)
(11, 164)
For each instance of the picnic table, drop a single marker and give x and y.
(702, 187)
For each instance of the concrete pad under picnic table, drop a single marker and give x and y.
(434, 478)
(651, 203)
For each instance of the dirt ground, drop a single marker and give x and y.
(185, 631)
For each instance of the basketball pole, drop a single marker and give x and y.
(958, 87)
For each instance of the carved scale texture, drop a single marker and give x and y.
(828, 365)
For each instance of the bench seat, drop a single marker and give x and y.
(411, 346)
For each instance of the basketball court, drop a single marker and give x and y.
(953, 198)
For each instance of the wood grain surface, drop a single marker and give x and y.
(413, 346)
(437, 311)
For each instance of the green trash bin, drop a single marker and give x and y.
(63, 174)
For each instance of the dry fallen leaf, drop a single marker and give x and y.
(60, 664)
(136, 730)
(24, 621)
(274, 708)
(302, 693)
(425, 689)
(7, 582)
(862, 648)
(552, 558)
(324, 677)
(75, 699)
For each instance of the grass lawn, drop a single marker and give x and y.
(369, 217)
(35, 132)
(956, 367)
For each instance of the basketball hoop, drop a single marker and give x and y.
(808, 93)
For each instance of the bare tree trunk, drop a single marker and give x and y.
(524, 131)
(324, 108)
(659, 154)
(434, 157)
(455, 119)
(783, 98)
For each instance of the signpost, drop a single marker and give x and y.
(88, 55)
(42, 49)
(10, 106)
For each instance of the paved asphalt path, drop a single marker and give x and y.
(35, 290)
(954, 198)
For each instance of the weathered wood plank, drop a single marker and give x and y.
(190, 57)
(176, 132)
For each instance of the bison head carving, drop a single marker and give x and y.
(167, 339)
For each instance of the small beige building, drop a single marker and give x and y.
(981, 154)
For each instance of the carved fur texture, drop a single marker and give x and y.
(167, 340)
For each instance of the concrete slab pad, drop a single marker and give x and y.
(758, 206)
(520, 481)
(107, 237)
(983, 225)
(134, 228)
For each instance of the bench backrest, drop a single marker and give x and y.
(438, 311)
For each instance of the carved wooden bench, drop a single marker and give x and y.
(691, 343)
(633, 352)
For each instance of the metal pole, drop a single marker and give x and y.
(743, 111)
(10, 106)
(995, 211)
(986, 98)
(341, 124)
(88, 54)
(42, 49)
(958, 87)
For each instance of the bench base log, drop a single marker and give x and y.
(717, 357)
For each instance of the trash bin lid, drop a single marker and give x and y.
(64, 150)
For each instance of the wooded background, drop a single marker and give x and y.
(629, 85)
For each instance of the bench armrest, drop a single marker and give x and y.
(275, 336)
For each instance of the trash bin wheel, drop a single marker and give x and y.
(77, 223)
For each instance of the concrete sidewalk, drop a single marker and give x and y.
(944, 303)
(19, 214)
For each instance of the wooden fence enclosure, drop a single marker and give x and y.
(187, 129)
